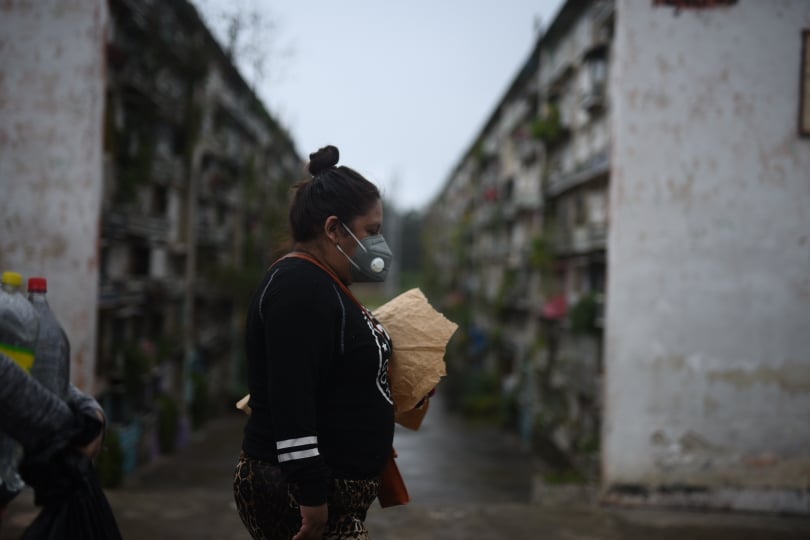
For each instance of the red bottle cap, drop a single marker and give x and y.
(37, 284)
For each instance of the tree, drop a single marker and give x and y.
(248, 32)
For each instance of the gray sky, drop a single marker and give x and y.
(401, 88)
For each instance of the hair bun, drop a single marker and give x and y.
(324, 158)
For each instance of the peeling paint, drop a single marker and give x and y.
(743, 106)
(791, 378)
(710, 405)
(681, 189)
(663, 64)
(55, 248)
(673, 362)
(659, 438)
(694, 442)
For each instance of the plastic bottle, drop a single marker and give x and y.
(19, 325)
(52, 348)
(19, 322)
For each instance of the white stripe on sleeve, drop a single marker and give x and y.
(290, 456)
(291, 443)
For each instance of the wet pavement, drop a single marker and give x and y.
(465, 480)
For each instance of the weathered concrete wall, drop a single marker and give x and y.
(708, 311)
(51, 108)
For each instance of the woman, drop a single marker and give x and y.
(322, 421)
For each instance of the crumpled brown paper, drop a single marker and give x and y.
(420, 335)
(242, 405)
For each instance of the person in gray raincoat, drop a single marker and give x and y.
(60, 439)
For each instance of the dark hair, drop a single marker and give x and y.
(332, 191)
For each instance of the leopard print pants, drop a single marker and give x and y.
(268, 508)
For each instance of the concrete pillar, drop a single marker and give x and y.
(707, 395)
(52, 81)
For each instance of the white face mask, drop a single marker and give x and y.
(371, 260)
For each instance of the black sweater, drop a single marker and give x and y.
(318, 379)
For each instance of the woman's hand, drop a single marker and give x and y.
(313, 522)
(94, 447)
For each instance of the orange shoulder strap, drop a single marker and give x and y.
(316, 262)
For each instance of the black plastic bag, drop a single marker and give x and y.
(74, 506)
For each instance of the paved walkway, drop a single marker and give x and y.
(466, 482)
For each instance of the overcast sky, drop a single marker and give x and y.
(401, 88)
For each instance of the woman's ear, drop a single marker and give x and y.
(331, 227)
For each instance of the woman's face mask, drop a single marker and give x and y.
(371, 260)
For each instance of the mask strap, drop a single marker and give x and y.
(347, 257)
(359, 243)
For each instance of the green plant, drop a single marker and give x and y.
(111, 135)
(136, 365)
(589, 445)
(167, 348)
(199, 400)
(133, 147)
(478, 153)
(506, 290)
(168, 418)
(236, 281)
(510, 411)
(110, 464)
(548, 128)
(583, 315)
(542, 254)
(480, 399)
(564, 476)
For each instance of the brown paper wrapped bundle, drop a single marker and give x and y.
(243, 406)
(420, 335)
(413, 419)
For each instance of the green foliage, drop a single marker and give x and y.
(510, 411)
(196, 64)
(168, 418)
(539, 343)
(459, 243)
(554, 412)
(478, 153)
(110, 464)
(133, 170)
(548, 128)
(589, 445)
(111, 135)
(482, 407)
(250, 180)
(193, 124)
(282, 192)
(583, 315)
(410, 280)
(136, 366)
(461, 314)
(200, 401)
(481, 397)
(542, 254)
(564, 476)
(168, 347)
(237, 282)
(552, 415)
(496, 339)
(410, 256)
(506, 292)
(371, 295)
